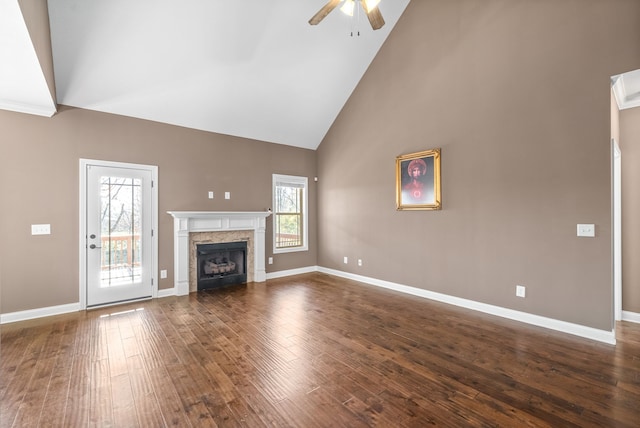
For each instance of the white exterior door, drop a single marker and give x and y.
(119, 247)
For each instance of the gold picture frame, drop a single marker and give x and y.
(418, 181)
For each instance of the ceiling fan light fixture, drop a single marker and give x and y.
(370, 4)
(348, 7)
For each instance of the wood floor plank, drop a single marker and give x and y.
(310, 351)
(101, 401)
(57, 393)
(16, 391)
(191, 396)
(169, 403)
(79, 395)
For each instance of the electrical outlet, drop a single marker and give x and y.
(270, 261)
(227, 195)
(346, 260)
(520, 290)
(587, 230)
(163, 274)
(359, 262)
(210, 195)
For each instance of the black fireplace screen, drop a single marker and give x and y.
(221, 264)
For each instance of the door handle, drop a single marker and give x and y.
(93, 246)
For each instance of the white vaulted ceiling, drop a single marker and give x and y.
(23, 76)
(250, 68)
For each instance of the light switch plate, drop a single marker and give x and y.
(587, 230)
(227, 195)
(210, 195)
(163, 274)
(41, 229)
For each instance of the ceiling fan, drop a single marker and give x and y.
(370, 7)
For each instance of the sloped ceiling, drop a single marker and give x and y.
(26, 75)
(251, 68)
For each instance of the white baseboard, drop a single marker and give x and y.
(39, 313)
(166, 292)
(630, 316)
(550, 323)
(291, 272)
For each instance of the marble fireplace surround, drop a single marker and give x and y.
(191, 228)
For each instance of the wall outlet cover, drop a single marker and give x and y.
(587, 230)
(41, 229)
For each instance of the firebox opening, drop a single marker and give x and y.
(221, 264)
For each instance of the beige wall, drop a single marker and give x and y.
(39, 163)
(515, 92)
(517, 95)
(630, 148)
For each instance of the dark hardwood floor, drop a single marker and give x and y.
(310, 351)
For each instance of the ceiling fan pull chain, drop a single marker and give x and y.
(355, 20)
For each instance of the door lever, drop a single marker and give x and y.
(93, 246)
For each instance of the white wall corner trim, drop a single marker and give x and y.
(39, 313)
(550, 323)
(291, 272)
(167, 292)
(631, 316)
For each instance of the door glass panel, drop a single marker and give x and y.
(121, 224)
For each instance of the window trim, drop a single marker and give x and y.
(304, 181)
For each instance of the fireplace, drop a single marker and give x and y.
(191, 228)
(221, 264)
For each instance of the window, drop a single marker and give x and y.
(290, 213)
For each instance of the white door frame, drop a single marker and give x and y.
(82, 237)
(617, 230)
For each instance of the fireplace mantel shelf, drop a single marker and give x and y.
(218, 214)
(185, 222)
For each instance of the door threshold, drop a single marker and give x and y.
(119, 302)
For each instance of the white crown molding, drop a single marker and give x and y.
(38, 110)
(626, 98)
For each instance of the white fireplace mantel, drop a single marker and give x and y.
(185, 222)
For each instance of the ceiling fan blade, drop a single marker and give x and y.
(375, 18)
(322, 13)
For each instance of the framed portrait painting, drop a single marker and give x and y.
(418, 181)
